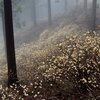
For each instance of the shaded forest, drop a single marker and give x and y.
(55, 51)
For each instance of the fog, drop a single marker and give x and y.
(33, 17)
(57, 49)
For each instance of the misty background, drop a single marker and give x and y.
(23, 21)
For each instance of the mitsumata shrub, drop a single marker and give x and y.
(66, 70)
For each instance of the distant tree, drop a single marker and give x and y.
(34, 13)
(49, 13)
(85, 5)
(94, 5)
(77, 2)
(2, 14)
(16, 10)
(66, 4)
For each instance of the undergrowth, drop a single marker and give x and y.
(66, 70)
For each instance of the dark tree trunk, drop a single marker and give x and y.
(34, 12)
(94, 14)
(10, 48)
(49, 13)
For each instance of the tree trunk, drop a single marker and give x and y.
(34, 12)
(77, 2)
(66, 6)
(94, 14)
(85, 5)
(10, 48)
(3, 25)
(49, 13)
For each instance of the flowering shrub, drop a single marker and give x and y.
(68, 69)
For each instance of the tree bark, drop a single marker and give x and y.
(9, 40)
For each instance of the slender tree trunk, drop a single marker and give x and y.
(77, 3)
(49, 13)
(94, 14)
(66, 6)
(3, 25)
(10, 48)
(85, 5)
(34, 12)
